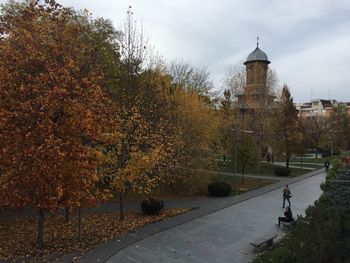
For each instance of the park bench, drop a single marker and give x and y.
(263, 242)
(289, 225)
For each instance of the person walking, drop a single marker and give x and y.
(326, 166)
(286, 195)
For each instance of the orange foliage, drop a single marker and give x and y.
(52, 110)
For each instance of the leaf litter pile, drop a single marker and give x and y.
(18, 236)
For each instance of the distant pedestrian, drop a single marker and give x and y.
(268, 158)
(286, 195)
(288, 216)
(326, 166)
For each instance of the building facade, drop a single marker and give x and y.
(255, 102)
(256, 93)
(319, 108)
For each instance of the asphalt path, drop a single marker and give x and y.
(222, 236)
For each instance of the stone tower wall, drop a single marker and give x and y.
(256, 73)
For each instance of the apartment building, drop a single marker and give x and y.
(319, 108)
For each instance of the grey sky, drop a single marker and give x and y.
(307, 42)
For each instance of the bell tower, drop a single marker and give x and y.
(255, 104)
(256, 75)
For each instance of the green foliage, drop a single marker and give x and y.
(323, 235)
(338, 128)
(248, 153)
(287, 134)
(226, 115)
(318, 237)
(337, 191)
(219, 189)
(282, 255)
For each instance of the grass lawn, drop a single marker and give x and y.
(195, 183)
(265, 169)
(314, 165)
(313, 160)
(249, 183)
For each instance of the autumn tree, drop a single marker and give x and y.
(235, 80)
(315, 129)
(248, 153)
(190, 77)
(141, 96)
(226, 119)
(150, 138)
(194, 115)
(338, 126)
(52, 110)
(286, 131)
(197, 126)
(301, 140)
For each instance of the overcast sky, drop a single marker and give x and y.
(307, 42)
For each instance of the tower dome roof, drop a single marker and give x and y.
(257, 55)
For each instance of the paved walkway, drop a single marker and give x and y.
(222, 236)
(306, 163)
(218, 231)
(295, 166)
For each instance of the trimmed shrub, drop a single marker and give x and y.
(219, 189)
(325, 154)
(282, 171)
(282, 255)
(152, 206)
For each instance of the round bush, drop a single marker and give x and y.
(152, 206)
(282, 171)
(219, 189)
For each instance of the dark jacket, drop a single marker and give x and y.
(289, 216)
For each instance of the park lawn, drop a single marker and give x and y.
(314, 165)
(17, 235)
(313, 160)
(195, 183)
(249, 183)
(265, 170)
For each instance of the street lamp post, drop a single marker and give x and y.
(243, 106)
(235, 171)
(331, 144)
(235, 149)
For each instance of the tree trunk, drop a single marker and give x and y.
(121, 206)
(121, 194)
(41, 222)
(301, 161)
(79, 223)
(243, 168)
(67, 214)
(287, 162)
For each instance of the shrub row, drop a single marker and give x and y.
(219, 189)
(152, 206)
(282, 171)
